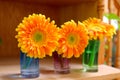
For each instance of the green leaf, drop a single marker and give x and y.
(119, 26)
(112, 16)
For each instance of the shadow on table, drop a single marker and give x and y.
(12, 77)
(46, 71)
(19, 76)
(43, 72)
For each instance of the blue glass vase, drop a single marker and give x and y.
(29, 66)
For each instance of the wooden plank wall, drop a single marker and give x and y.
(12, 13)
(78, 12)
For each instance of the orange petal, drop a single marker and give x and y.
(70, 52)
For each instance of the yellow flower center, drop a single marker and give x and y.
(38, 37)
(72, 39)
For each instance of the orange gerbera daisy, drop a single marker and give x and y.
(73, 39)
(37, 36)
(109, 29)
(95, 29)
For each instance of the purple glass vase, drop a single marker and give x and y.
(61, 65)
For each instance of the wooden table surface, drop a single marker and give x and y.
(10, 70)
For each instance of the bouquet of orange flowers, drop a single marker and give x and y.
(37, 36)
(97, 30)
(73, 39)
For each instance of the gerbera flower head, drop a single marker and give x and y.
(73, 39)
(110, 30)
(37, 36)
(95, 29)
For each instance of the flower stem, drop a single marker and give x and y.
(25, 60)
(29, 62)
(95, 49)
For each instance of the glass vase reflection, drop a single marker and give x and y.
(90, 56)
(61, 65)
(29, 66)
